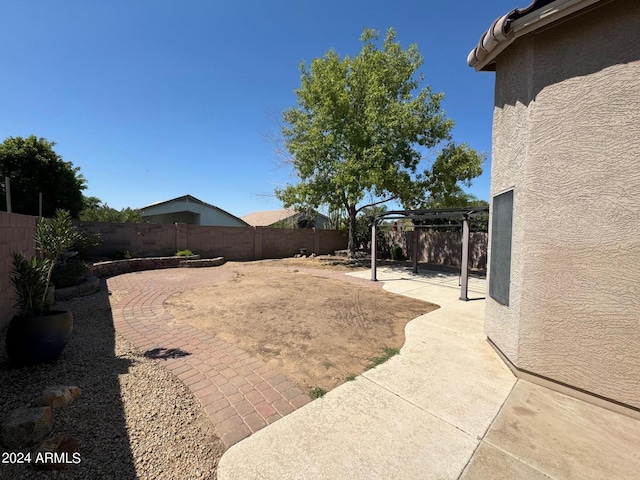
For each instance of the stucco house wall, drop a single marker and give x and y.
(189, 210)
(566, 139)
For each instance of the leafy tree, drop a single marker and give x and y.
(91, 203)
(96, 211)
(33, 167)
(363, 224)
(453, 200)
(362, 129)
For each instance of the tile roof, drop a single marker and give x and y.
(501, 33)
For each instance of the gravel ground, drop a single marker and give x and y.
(134, 419)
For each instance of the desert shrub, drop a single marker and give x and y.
(396, 252)
(184, 253)
(317, 392)
(120, 255)
(70, 274)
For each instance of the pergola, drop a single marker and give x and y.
(459, 215)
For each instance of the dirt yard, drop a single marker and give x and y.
(302, 316)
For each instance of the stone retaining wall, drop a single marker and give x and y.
(117, 267)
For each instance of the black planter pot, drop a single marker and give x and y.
(41, 339)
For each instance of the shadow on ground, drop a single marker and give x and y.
(96, 419)
(165, 353)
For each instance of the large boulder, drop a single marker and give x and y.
(57, 452)
(59, 396)
(25, 426)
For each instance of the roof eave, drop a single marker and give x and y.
(504, 31)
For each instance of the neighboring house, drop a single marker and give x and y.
(564, 253)
(188, 209)
(285, 218)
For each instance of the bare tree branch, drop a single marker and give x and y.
(393, 197)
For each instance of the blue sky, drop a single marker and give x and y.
(155, 99)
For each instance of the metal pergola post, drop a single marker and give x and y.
(414, 257)
(373, 252)
(464, 269)
(418, 217)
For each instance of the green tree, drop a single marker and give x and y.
(363, 223)
(362, 128)
(34, 167)
(90, 203)
(96, 211)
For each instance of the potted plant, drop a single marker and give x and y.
(38, 334)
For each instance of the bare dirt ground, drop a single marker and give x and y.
(302, 316)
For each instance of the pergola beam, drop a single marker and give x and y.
(459, 214)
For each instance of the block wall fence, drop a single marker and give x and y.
(16, 235)
(441, 248)
(256, 243)
(232, 243)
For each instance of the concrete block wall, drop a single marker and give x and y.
(276, 245)
(232, 243)
(16, 235)
(138, 239)
(441, 248)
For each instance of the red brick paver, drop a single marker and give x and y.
(240, 393)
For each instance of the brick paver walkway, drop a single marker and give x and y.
(240, 393)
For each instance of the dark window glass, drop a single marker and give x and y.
(500, 265)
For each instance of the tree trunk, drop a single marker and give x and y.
(352, 233)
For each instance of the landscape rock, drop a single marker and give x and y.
(59, 396)
(63, 447)
(25, 426)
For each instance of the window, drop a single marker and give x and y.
(500, 264)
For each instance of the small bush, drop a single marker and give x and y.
(317, 392)
(89, 240)
(120, 255)
(70, 274)
(396, 253)
(184, 253)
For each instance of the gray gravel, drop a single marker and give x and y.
(134, 419)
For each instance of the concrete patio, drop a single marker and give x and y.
(445, 407)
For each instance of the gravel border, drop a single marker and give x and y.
(134, 419)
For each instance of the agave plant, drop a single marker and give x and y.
(31, 277)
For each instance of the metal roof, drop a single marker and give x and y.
(458, 213)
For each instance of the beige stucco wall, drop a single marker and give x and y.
(511, 127)
(567, 137)
(190, 212)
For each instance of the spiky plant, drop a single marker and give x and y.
(53, 237)
(31, 276)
